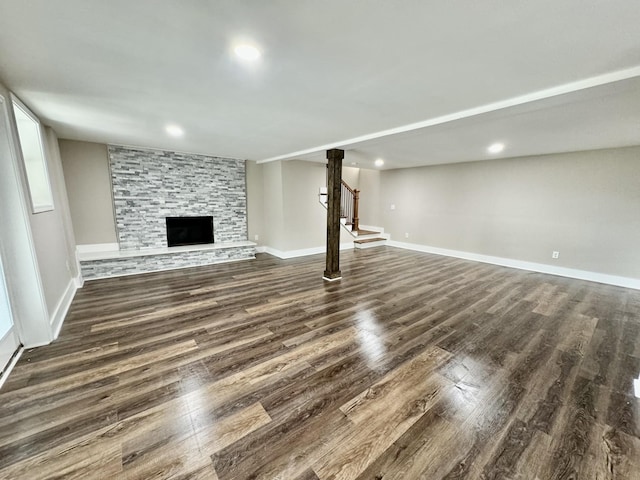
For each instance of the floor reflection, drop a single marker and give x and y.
(370, 335)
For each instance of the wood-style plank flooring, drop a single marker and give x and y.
(412, 366)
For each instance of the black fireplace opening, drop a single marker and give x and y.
(189, 230)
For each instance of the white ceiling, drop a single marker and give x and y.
(118, 71)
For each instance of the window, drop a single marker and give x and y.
(35, 165)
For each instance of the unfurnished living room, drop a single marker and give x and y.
(312, 240)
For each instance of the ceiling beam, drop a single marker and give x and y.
(471, 112)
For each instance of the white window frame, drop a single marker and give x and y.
(42, 206)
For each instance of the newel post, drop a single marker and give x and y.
(356, 219)
(334, 180)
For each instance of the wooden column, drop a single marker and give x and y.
(334, 179)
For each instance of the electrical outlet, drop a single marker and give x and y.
(406, 234)
(555, 254)
(256, 237)
(393, 206)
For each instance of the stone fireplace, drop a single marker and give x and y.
(151, 186)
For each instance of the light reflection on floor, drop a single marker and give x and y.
(370, 335)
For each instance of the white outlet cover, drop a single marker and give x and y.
(393, 206)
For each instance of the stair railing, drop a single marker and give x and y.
(349, 199)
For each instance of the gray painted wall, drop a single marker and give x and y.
(305, 218)
(255, 202)
(293, 218)
(54, 250)
(370, 208)
(351, 175)
(61, 196)
(273, 221)
(88, 183)
(586, 205)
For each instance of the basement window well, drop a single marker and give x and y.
(35, 164)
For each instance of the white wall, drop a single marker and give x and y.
(586, 205)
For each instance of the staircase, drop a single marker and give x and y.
(349, 203)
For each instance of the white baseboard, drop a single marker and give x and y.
(303, 252)
(331, 279)
(78, 279)
(522, 265)
(7, 371)
(60, 312)
(261, 249)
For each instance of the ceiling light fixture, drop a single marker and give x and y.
(379, 162)
(174, 130)
(495, 148)
(246, 51)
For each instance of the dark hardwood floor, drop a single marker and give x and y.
(412, 366)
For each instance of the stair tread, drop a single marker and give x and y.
(369, 240)
(367, 232)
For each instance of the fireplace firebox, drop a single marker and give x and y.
(189, 231)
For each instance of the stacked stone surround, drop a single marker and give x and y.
(150, 185)
(114, 267)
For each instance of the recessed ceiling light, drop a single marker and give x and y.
(246, 51)
(174, 130)
(379, 162)
(495, 148)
